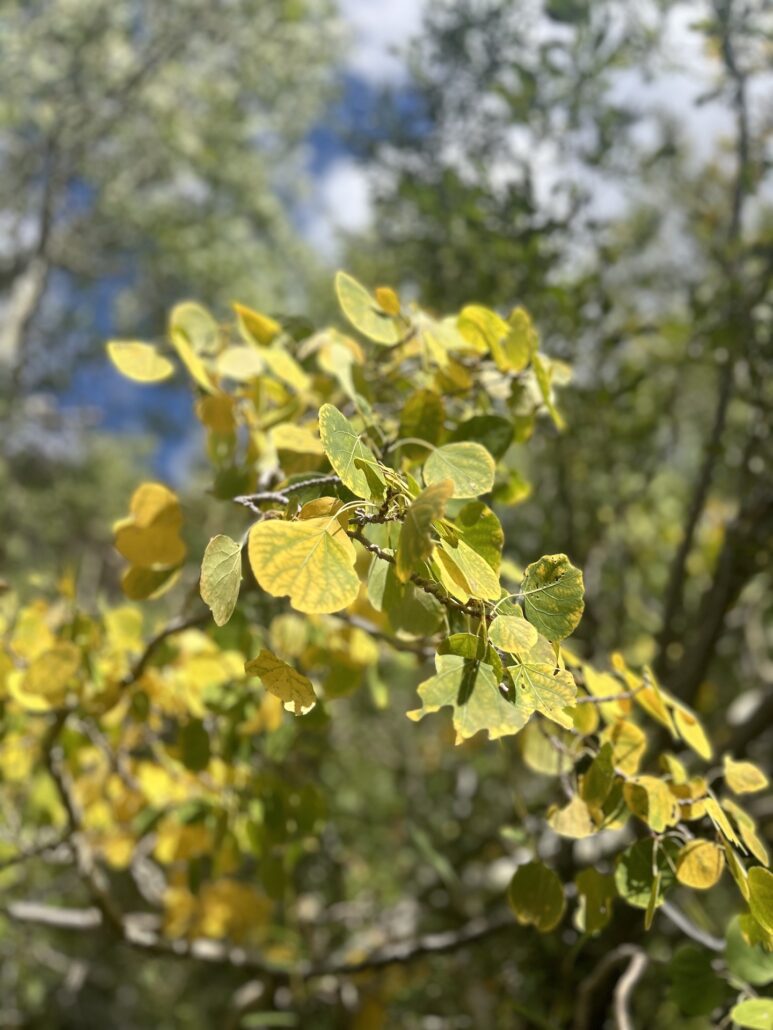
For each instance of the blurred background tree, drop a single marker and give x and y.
(606, 164)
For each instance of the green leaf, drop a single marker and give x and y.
(513, 634)
(761, 896)
(194, 746)
(283, 681)
(345, 449)
(469, 466)
(695, 987)
(471, 689)
(422, 418)
(480, 580)
(636, 868)
(754, 1013)
(479, 527)
(542, 375)
(197, 326)
(311, 560)
(597, 892)
(415, 543)
(492, 431)
(751, 962)
(552, 591)
(536, 896)
(221, 573)
(366, 314)
(541, 687)
(139, 361)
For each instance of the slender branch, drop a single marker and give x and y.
(35, 851)
(584, 1010)
(680, 920)
(624, 990)
(178, 625)
(282, 496)
(222, 954)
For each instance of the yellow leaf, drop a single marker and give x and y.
(139, 361)
(650, 799)
(690, 729)
(721, 822)
(628, 745)
(744, 777)
(283, 681)
(415, 543)
(748, 830)
(388, 299)
(239, 363)
(699, 864)
(216, 412)
(573, 820)
(256, 326)
(307, 561)
(49, 675)
(221, 574)
(150, 536)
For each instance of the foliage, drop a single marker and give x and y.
(187, 767)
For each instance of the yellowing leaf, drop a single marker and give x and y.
(478, 578)
(139, 361)
(536, 896)
(415, 543)
(540, 686)
(140, 584)
(596, 892)
(552, 591)
(748, 830)
(221, 573)
(753, 1014)
(650, 799)
(150, 536)
(345, 450)
(239, 363)
(721, 822)
(366, 313)
(699, 864)
(744, 777)
(216, 412)
(196, 325)
(573, 820)
(285, 367)
(254, 326)
(471, 689)
(283, 681)
(49, 675)
(388, 300)
(690, 729)
(311, 560)
(422, 417)
(628, 745)
(468, 465)
(513, 634)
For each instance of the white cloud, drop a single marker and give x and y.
(380, 30)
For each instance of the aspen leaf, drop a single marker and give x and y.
(221, 573)
(468, 465)
(543, 688)
(283, 366)
(720, 821)
(650, 800)
(239, 363)
(415, 543)
(699, 864)
(636, 870)
(690, 729)
(479, 579)
(422, 418)
(744, 777)
(596, 892)
(761, 896)
(256, 327)
(366, 313)
(387, 300)
(552, 591)
(49, 675)
(193, 322)
(748, 830)
(536, 896)
(345, 450)
(513, 634)
(753, 1014)
(140, 584)
(481, 327)
(139, 361)
(311, 560)
(750, 962)
(149, 537)
(477, 525)
(573, 820)
(471, 689)
(283, 681)
(628, 745)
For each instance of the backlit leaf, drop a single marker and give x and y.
(221, 573)
(480, 580)
(761, 896)
(415, 543)
(744, 777)
(311, 560)
(139, 361)
(365, 312)
(469, 466)
(753, 1014)
(573, 820)
(421, 418)
(596, 892)
(552, 591)
(283, 681)
(513, 634)
(636, 868)
(541, 687)
(345, 449)
(650, 800)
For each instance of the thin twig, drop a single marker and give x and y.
(625, 987)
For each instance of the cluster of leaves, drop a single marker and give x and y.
(363, 462)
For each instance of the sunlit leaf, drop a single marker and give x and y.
(650, 800)
(311, 560)
(573, 820)
(283, 681)
(699, 864)
(366, 313)
(512, 634)
(637, 867)
(221, 573)
(744, 777)
(552, 591)
(469, 466)
(596, 892)
(139, 361)
(346, 452)
(415, 543)
(753, 1014)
